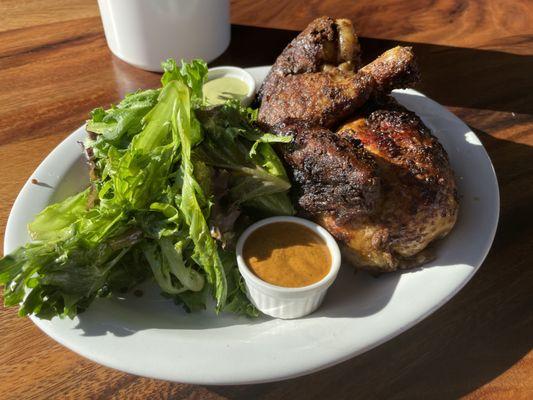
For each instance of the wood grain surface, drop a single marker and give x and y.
(476, 59)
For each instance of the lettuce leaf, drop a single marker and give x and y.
(64, 272)
(233, 143)
(192, 74)
(125, 118)
(56, 221)
(158, 160)
(205, 252)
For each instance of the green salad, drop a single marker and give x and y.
(172, 184)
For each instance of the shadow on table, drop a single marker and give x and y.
(487, 327)
(450, 75)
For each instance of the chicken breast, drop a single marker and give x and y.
(418, 197)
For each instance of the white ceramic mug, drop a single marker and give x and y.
(145, 32)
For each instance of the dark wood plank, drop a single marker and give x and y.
(473, 24)
(476, 59)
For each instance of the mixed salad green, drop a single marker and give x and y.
(172, 183)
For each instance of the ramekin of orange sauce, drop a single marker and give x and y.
(288, 264)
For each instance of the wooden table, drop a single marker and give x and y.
(476, 59)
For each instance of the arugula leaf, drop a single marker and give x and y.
(237, 302)
(61, 278)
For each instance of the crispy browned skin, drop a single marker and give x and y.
(323, 44)
(320, 98)
(381, 184)
(394, 69)
(418, 201)
(325, 98)
(330, 173)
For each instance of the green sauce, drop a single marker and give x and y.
(218, 90)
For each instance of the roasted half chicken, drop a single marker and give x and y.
(362, 166)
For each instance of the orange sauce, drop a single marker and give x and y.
(287, 254)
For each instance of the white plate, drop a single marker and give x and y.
(150, 336)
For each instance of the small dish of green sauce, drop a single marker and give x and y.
(226, 83)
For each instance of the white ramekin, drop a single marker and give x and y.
(146, 32)
(283, 302)
(235, 72)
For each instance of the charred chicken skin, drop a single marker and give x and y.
(332, 174)
(323, 45)
(362, 166)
